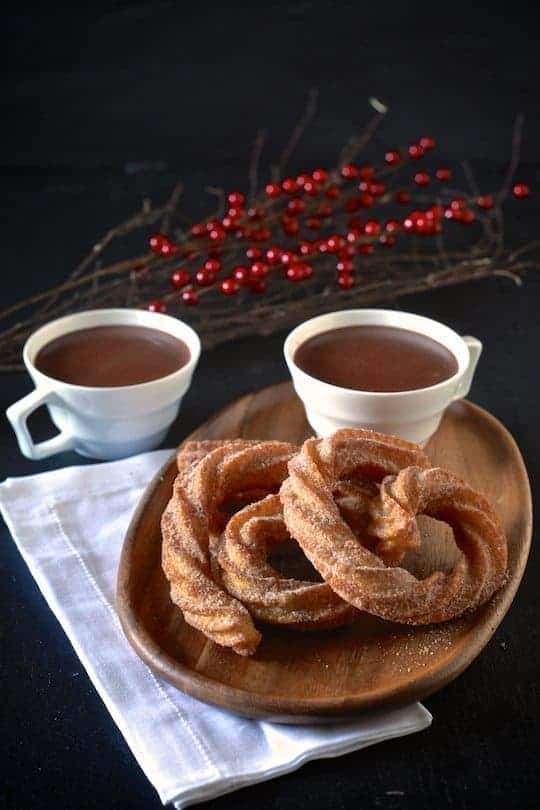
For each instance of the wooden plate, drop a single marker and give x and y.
(299, 677)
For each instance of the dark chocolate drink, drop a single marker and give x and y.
(376, 358)
(111, 356)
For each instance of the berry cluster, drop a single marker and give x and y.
(307, 221)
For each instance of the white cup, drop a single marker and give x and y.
(413, 415)
(104, 423)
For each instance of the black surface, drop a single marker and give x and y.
(88, 93)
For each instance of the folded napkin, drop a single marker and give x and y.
(69, 526)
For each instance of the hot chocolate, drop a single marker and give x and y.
(112, 356)
(376, 358)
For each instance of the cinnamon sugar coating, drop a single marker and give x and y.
(360, 576)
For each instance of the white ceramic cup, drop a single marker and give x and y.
(104, 423)
(413, 415)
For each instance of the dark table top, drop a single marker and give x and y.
(106, 104)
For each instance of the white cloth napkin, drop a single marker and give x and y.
(69, 526)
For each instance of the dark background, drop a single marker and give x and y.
(90, 94)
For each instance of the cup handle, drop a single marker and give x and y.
(475, 350)
(19, 412)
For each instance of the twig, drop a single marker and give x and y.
(299, 129)
(517, 133)
(253, 172)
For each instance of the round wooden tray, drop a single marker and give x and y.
(302, 677)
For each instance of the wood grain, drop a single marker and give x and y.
(303, 677)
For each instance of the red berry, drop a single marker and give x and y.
(299, 272)
(443, 174)
(273, 189)
(457, 204)
(236, 212)
(372, 227)
(349, 172)
(288, 257)
(156, 242)
(403, 197)
(217, 235)
(253, 253)
(179, 278)
(332, 192)
(345, 281)
(377, 189)
(485, 201)
(259, 285)
(416, 220)
(387, 240)
(260, 234)
(353, 235)
(229, 223)
(363, 185)
(355, 222)
(157, 306)
(290, 226)
(392, 226)
(229, 286)
(293, 274)
(306, 248)
(302, 179)
(205, 278)
(521, 190)
(168, 248)
(352, 205)
(212, 265)
(190, 297)
(366, 200)
(311, 188)
(392, 157)
(434, 212)
(273, 255)
(241, 274)
(347, 252)
(236, 198)
(366, 172)
(319, 175)
(258, 270)
(199, 229)
(345, 266)
(415, 151)
(296, 205)
(255, 212)
(289, 185)
(334, 243)
(466, 216)
(366, 250)
(313, 223)
(421, 178)
(427, 142)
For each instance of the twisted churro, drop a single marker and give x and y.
(269, 595)
(360, 576)
(190, 517)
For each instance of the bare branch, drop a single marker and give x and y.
(409, 267)
(300, 128)
(515, 155)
